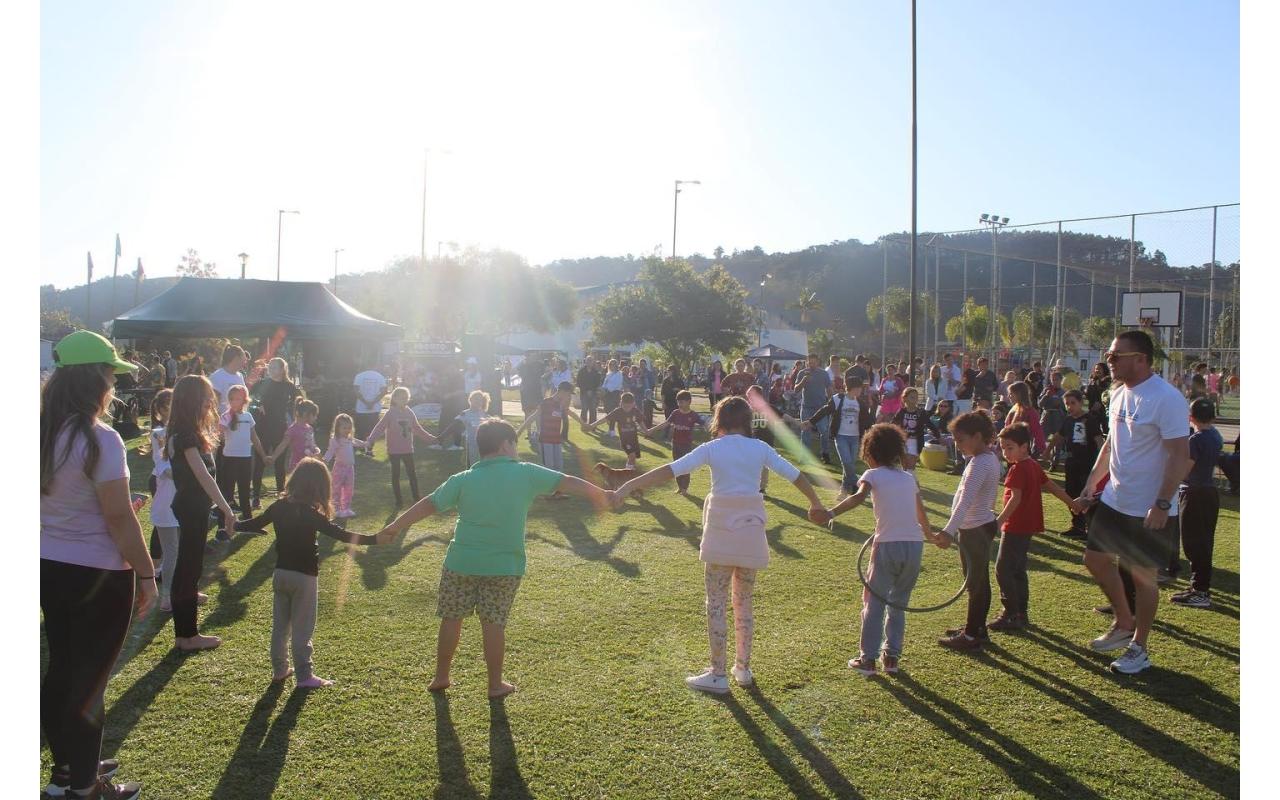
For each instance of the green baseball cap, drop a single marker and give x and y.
(87, 347)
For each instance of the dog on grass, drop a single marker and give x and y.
(614, 478)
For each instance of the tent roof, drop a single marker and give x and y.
(774, 352)
(204, 307)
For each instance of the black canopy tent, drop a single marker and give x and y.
(213, 307)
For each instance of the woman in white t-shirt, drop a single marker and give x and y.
(90, 547)
(733, 529)
(901, 528)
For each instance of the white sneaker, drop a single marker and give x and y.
(708, 682)
(345, 513)
(434, 447)
(454, 447)
(1113, 639)
(1132, 661)
(743, 676)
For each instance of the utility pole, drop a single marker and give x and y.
(884, 313)
(911, 256)
(675, 216)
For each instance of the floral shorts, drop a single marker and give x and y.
(489, 596)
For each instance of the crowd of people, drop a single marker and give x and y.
(1139, 487)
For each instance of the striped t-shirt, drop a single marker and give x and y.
(975, 499)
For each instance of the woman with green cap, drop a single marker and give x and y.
(90, 547)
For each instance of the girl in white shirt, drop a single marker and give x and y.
(901, 528)
(733, 529)
(166, 524)
(239, 443)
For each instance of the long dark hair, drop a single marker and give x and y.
(73, 396)
(193, 413)
(731, 415)
(310, 485)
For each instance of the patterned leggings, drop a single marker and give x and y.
(718, 579)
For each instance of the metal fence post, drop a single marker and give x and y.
(1213, 267)
(1133, 250)
(884, 311)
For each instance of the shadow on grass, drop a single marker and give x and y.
(774, 537)
(1179, 691)
(1169, 748)
(1032, 773)
(777, 758)
(505, 779)
(375, 560)
(1196, 640)
(582, 544)
(255, 767)
(138, 698)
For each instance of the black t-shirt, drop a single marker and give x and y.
(276, 399)
(189, 493)
(915, 423)
(985, 384)
(296, 527)
(589, 379)
(1079, 435)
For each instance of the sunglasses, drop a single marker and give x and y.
(1112, 355)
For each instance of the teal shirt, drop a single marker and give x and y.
(492, 499)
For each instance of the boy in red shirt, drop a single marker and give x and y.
(630, 423)
(1022, 517)
(682, 422)
(550, 416)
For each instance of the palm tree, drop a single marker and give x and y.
(897, 304)
(973, 326)
(807, 303)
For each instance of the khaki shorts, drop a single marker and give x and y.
(489, 596)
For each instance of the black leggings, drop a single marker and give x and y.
(156, 551)
(976, 544)
(193, 528)
(270, 440)
(86, 617)
(407, 459)
(236, 474)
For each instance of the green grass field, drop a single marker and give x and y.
(608, 622)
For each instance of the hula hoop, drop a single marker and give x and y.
(964, 566)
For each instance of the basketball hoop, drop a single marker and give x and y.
(1146, 322)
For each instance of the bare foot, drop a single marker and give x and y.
(198, 642)
(282, 675)
(504, 689)
(314, 682)
(439, 684)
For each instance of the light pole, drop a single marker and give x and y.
(675, 214)
(760, 336)
(335, 269)
(279, 223)
(911, 254)
(244, 262)
(425, 152)
(994, 222)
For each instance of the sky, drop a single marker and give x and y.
(556, 130)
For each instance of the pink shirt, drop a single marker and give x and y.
(302, 442)
(72, 527)
(400, 425)
(343, 451)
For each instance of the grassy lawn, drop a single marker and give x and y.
(609, 621)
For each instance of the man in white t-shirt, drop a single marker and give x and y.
(229, 374)
(952, 374)
(371, 387)
(1146, 455)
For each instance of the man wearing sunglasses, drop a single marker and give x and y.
(1146, 454)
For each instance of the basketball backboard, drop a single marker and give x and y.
(1154, 309)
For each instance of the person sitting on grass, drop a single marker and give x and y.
(486, 557)
(973, 524)
(681, 422)
(733, 546)
(1021, 518)
(301, 514)
(901, 528)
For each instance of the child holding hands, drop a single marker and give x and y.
(1021, 518)
(486, 557)
(342, 455)
(400, 425)
(301, 514)
(682, 422)
(733, 546)
(901, 528)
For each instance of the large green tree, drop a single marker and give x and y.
(1034, 328)
(972, 326)
(1097, 332)
(686, 314)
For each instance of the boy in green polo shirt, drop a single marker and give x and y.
(486, 558)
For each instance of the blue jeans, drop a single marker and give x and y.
(892, 575)
(806, 436)
(847, 448)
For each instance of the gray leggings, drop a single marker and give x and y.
(1011, 572)
(168, 559)
(293, 616)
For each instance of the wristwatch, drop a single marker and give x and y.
(1163, 505)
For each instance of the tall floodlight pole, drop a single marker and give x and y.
(279, 225)
(964, 305)
(1213, 264)
(675, 214)
(884, 311)
(760, 336)
(994, 222)
(911, 256)
(335, 269)
(422, 253)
